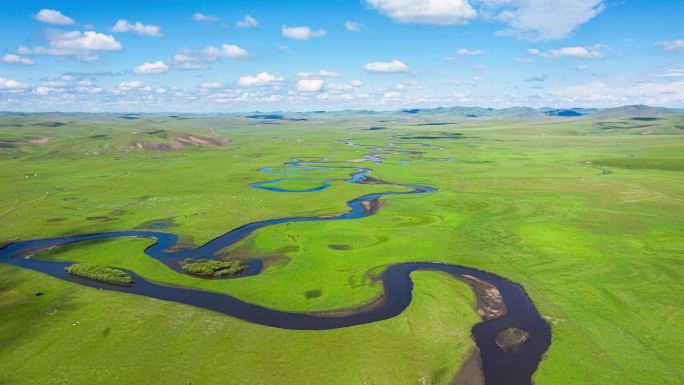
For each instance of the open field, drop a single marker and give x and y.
(585, 213)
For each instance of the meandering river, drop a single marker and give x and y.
(500, 367)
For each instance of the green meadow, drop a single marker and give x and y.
(586, 214)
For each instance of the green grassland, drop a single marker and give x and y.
(601, 254)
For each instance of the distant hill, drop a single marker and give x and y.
(636, 111)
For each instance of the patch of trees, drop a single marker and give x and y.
(209, 267)
(100, 273)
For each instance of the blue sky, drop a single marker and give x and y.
(226, 56)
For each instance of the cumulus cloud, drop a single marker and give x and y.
(319, 74)
(391, 95)
(188, 60)
(672, 45)
(52, 16)
(601, 93)
(581, 67)
(88, 40)
(353, 26)
(309, 85)
(409, 85)
(345, 87)
(526, 19)
(247, 22)
(565, 52)
(129, 85)
(539, 19)
(76, 44)
(210, 85)
(467, 52)
(226, 50)
(202, 18)
(11, 85)
(16, 59)
(158, 67)
(138, 28)
(439, 12)
(301, 33)
(67, 86)
(262, 79)
(386, 67)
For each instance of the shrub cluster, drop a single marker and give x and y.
(100, 273)
(214, 268)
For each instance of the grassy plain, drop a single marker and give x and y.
(601, 254)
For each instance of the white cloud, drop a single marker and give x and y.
(88, 40)
(320, 74)
(130, 85)
(188, 60)
(204, 18)
(260, 80)
(353, 26)
(541, 19)
(440, 12)
(210, 85)
(10, 85)
(12, 58)
(386, 67)
(247, 22)
(345, 87)
(391, 95)
(467, 52)
(158, 67)
(579, 52)
(301, 33)
(340, 87)
(600, 93)
(309, 85)
(409, 85)
(51, 16)
(581, 67)
(226, 50)
(139, 28)
(672, 45)
(671, 73)
(76, 44)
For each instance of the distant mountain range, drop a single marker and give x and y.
(442, 114)
(465, 113)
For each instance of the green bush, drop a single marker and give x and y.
(214, 268)
(100, 273)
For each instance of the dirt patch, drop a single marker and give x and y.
(201, 141)
(371, 206)
(490, 302)
(164, 147)
(470, 372)
(38, 140)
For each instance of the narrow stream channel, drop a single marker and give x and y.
(500, 367)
